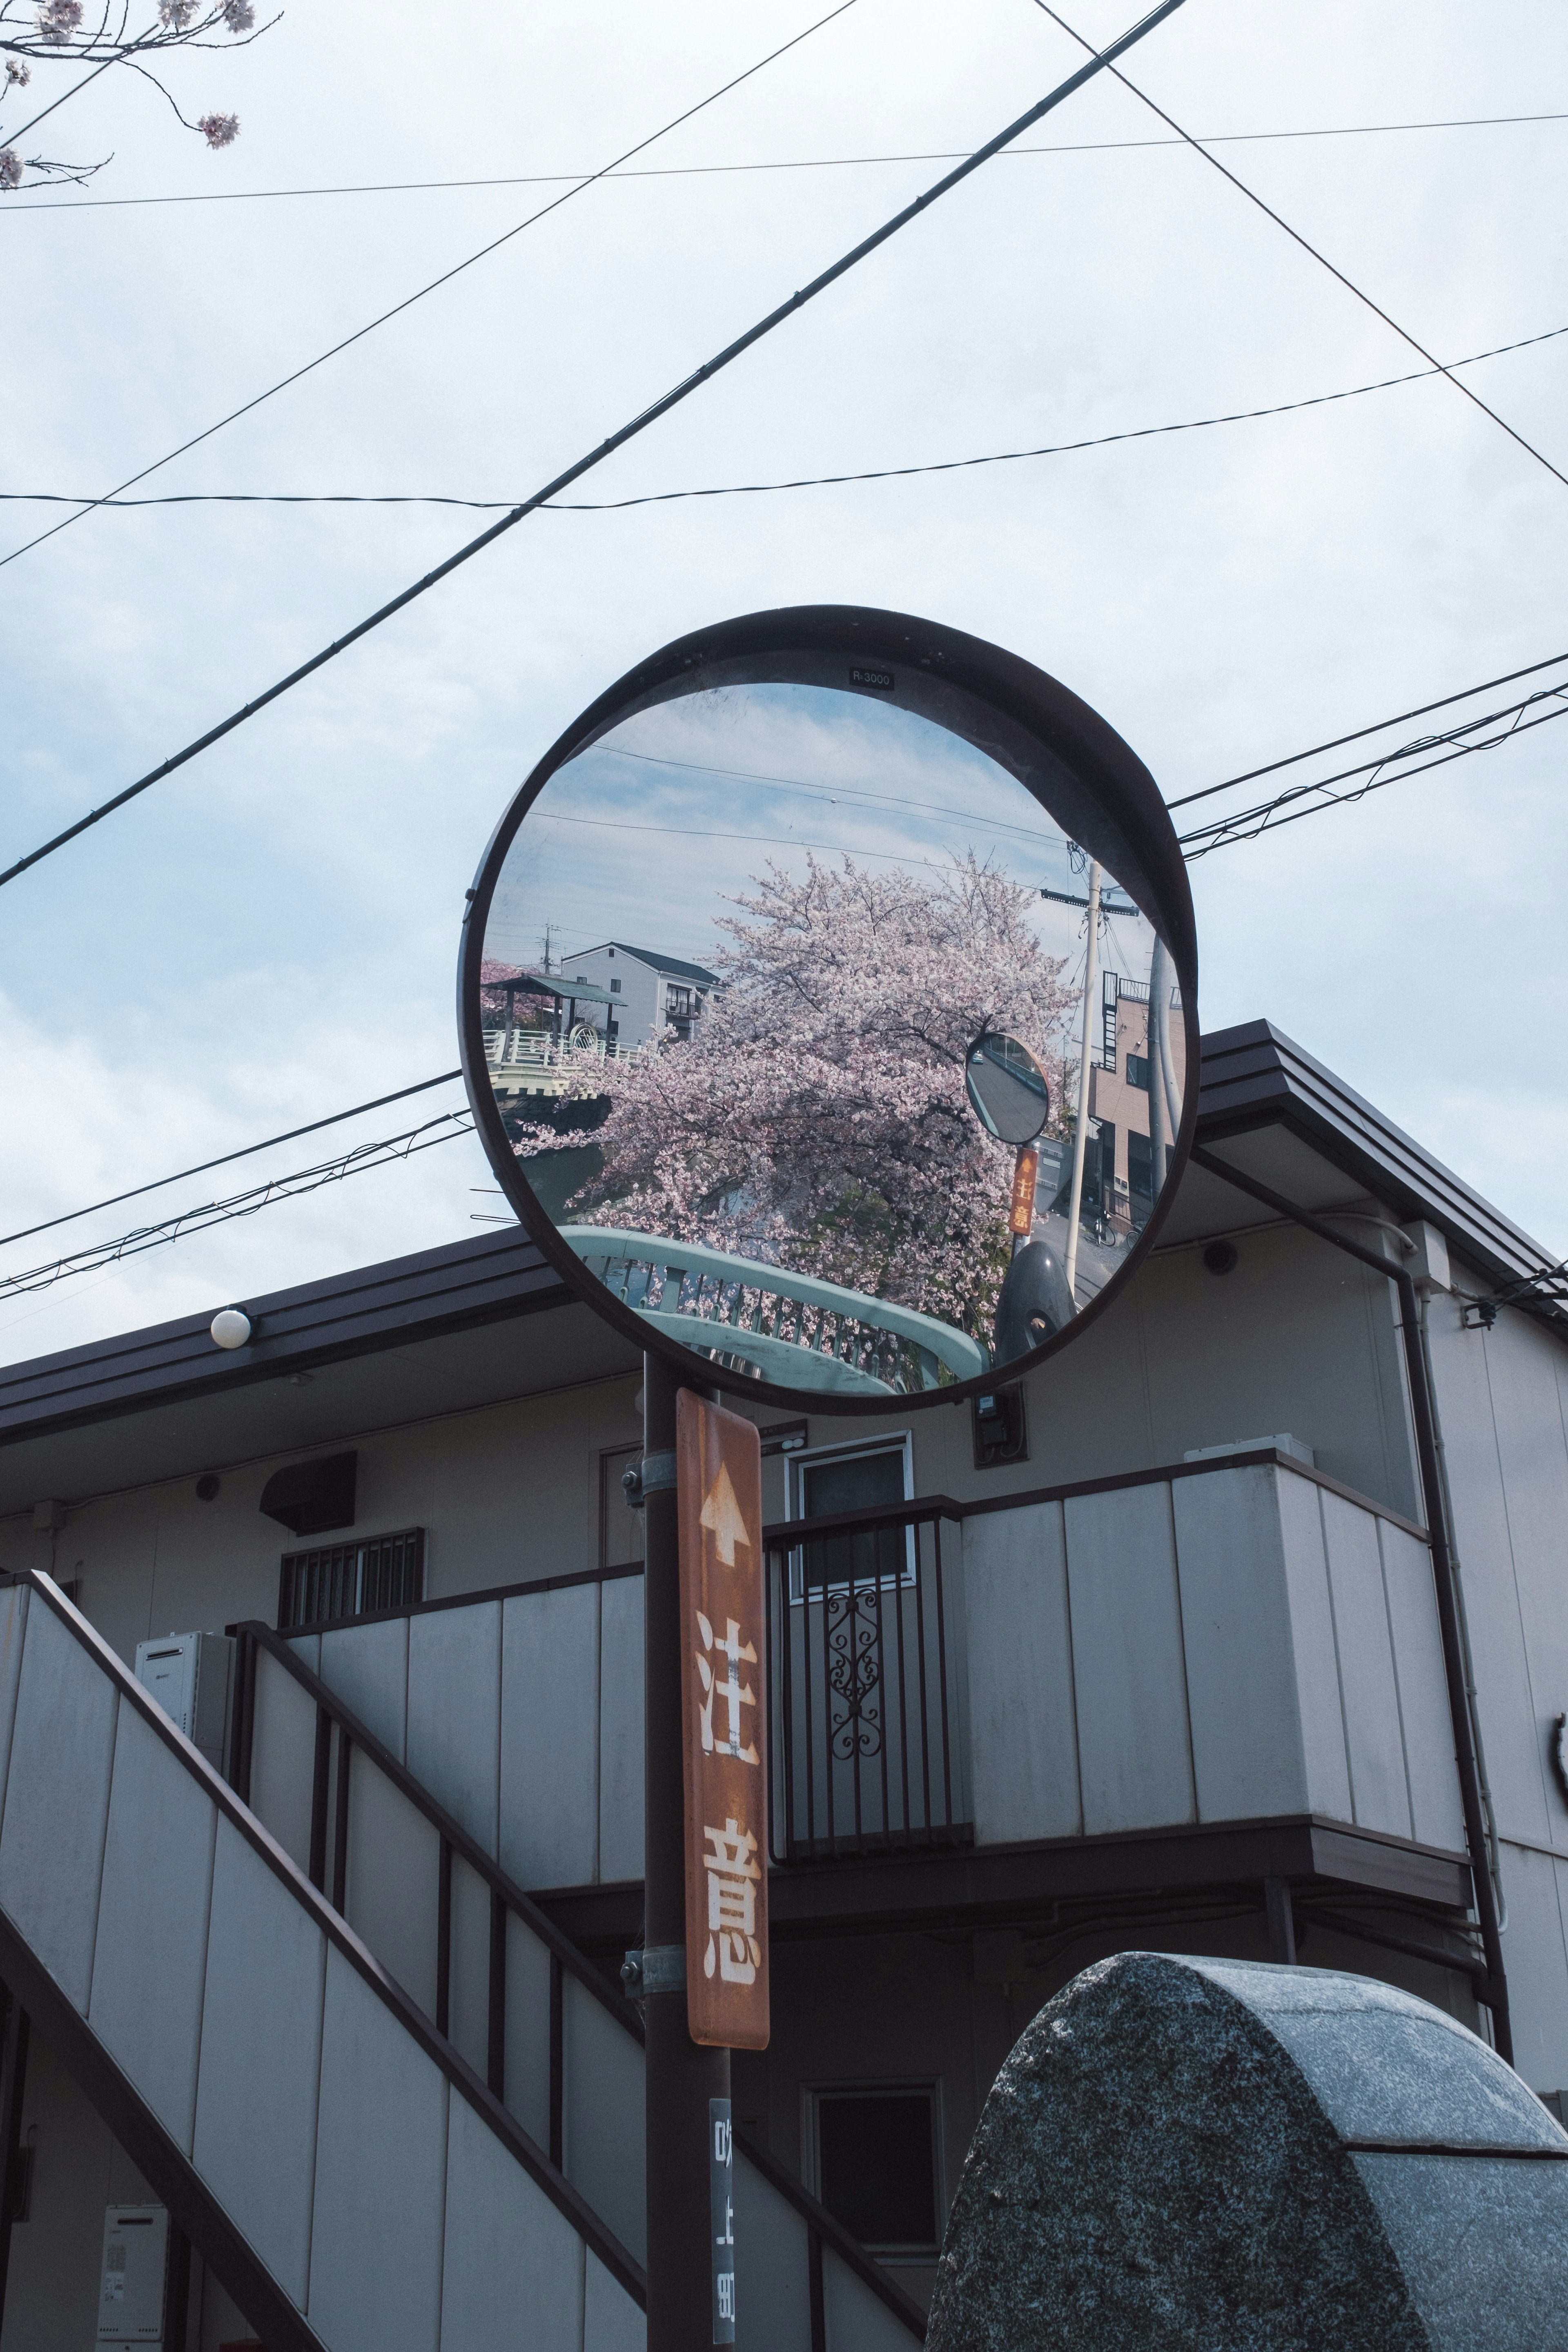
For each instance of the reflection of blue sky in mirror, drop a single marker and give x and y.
(651, 833)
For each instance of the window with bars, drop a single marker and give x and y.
(351, 1580)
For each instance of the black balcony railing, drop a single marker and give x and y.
(865, 1639)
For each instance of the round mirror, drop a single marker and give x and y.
(1008, 1090)
(828, 998)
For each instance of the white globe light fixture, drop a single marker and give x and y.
(231, 1328)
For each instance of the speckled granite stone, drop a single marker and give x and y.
(1163, 2163)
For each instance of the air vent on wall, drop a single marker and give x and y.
(308, 1497)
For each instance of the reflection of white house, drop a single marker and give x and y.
(656, 992)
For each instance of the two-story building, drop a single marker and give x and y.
(328, 1996)
(651, 992)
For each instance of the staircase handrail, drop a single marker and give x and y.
(569, 2201)
(822, 2229)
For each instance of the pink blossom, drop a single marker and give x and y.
(238, 15)
(19, 72)
(175, 14)
(220, 129)
(817, 1117)
(10, 167)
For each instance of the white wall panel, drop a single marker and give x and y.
(604, 2117)
(550, 1738)
(1378, 1791)
(367, 1667)
(391, 1896)
(1313, 1640)
(468, 1986)
(381, 2178)
(260, 2055)
(621, 1728)
(1537, 1965)
(283, 1757)
(773, 2274)
(1128, 1668)
(1022, 1711)
(12, 1626)
(453, 1713)
(857, 2321)
(150, 1958)
(611, 2320)
(1247, 1757)
(512, 2270)
(56, 1801)
(528, 2029)
(1437, 1814)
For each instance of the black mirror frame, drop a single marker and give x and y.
(1121, 803)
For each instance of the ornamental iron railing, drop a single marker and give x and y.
(869, 1688)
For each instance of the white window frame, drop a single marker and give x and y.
(846, 1450)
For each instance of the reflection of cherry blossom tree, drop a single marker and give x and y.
(818, 1115)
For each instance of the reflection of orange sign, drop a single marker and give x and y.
(718, 1476)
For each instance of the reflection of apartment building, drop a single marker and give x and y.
(1118, 1097)
(655, 991)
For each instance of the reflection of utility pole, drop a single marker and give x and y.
(548, 929)
(1160, 1085)
(1080, 1134)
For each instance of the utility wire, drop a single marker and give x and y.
(18, 204)
(1360, 734)
(1295, 234)
(1246, 824)
(356, 1162)
(335, 1119)
(445, 278)
(798, 482)
(419, 1138)
(617, 440)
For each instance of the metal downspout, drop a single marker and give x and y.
(1494, 1991)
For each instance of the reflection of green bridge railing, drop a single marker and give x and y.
(788, 1328)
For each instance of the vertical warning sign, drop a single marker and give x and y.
(718, 1464)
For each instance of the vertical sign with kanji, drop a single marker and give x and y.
(717, 1472)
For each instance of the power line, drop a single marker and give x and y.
(247, 1150)
(18, 204)
(798, 482)
(1359, 734)
(1246, 824)
(617, 440)
(445, 278)
(1322, 259)
(356, 1162)
(367, 1156)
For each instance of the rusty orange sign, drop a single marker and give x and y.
(717, 1479)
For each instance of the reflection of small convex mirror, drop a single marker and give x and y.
(1007, 1088)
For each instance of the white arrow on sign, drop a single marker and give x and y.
(720, 1515)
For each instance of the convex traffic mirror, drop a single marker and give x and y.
(828, 999)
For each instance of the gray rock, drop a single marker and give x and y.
(1210, 2154)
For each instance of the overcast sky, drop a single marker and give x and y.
(272, 934)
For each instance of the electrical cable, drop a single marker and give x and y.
(245, 1151)
(1280, 222)
(364, 1157)
(751, 489)
(379, 1153)
(22, 204)
(445, 278)
(617, 440)
(1335, 743)
(1246, 825)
